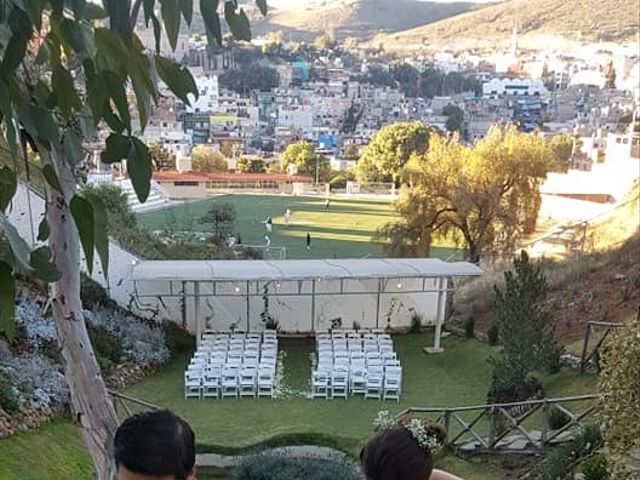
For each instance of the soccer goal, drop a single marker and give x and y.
(371, 188)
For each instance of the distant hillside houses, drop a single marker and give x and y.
(500, 87)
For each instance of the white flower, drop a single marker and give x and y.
(383, 420)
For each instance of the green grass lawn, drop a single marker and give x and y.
(345, 231)
(53, 451)
(458, 377)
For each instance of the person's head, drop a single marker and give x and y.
(155, 445)
(395, 454)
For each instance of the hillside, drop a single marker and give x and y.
(607, 20)
(356, 18)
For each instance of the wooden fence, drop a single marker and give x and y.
(520, 427)
(593, 355)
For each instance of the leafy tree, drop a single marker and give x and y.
(242, 164)
(610, 76)
(380, 77)
(162, 158)
(303, 155)
(273, 42)
(351, 151)
(350, 43)
(221, 216)
(66, 68)
(206, 160)
(407, 78)
(249, 77)
(619, 406)
(455, 118)
(526, 331)
(562, 147)
(257, 166)
(390, 148)
(325, 41)
(486, 196)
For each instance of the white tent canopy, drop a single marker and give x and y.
(284, 270)
(380, 278)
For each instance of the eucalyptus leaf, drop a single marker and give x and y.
(17, 246)
(139, 169)
(82, 212)
(101, 235)
(209, 11)
(262, 5)
(42, 267)
(186, 7)
(43, 230)
(62, 84)
(178, 79)
(170, 11)
(7, 300)
(8, 186)
(116, 149)
(50, 175)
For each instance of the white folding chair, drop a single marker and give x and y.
(373, 386)
(339, 384)
(391, 388)
(248, 382)
(192, 384)
(357, 381)
(320, 384)
(265, 382)
(229, 383)
(211, 385)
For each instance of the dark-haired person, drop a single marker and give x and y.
(398, 453)
(155, 445)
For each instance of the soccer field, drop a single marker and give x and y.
(346, 230)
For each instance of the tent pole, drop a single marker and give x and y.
(378, 304)
(313, 306)
(196, 313)
(439, 314)
(248, 305)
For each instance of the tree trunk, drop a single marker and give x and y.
(90, 401)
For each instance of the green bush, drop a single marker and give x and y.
(107, 348)
(50, 349)
(469, 326)
(274, 467)
(178, 340)
(559, 462)
(92, 293)
(493, 335)
(595, 467)
(416, 322)
(557, 418)
(9, 399)
(507, 385)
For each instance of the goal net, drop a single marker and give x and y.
(371, 188)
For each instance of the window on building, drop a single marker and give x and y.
(185, 184)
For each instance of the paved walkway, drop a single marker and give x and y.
(229, 461)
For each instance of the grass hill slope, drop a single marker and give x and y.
(356, 18)
(594, 20)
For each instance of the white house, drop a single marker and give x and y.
(498, 87)
(209, 94)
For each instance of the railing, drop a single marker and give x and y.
(519, 427)
(126, 403)
(595, 351)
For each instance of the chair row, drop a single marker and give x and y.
(371, 385)
(230, 383)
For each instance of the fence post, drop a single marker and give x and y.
(545, 424)
(492, 426)
(447, 423)
(585, 347)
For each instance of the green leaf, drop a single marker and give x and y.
(79, 9)
(51, 177)
(112, 119)
(178, 79)
(186, 7)
(45, 125)
(157, 31)
(112, 54)
(42, 267)
(118, 11)
(5, 100)
(115, 89)
(147, 7)
(72, 146)
(17, 46)
(170, 11)
(139, 168)
(62, 84)
(8, 186)
(143, 99)
(238, 22)
(117, 148)
(262, 5)
(95, 12)
(82, 212)
(101, 234)
(17, 246)
(96, 91)
(43, 230)
(7, 300)
(209, 11)
(78, 37)
(12, 138)
(34, 10)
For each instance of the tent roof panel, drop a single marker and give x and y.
(283, 270)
